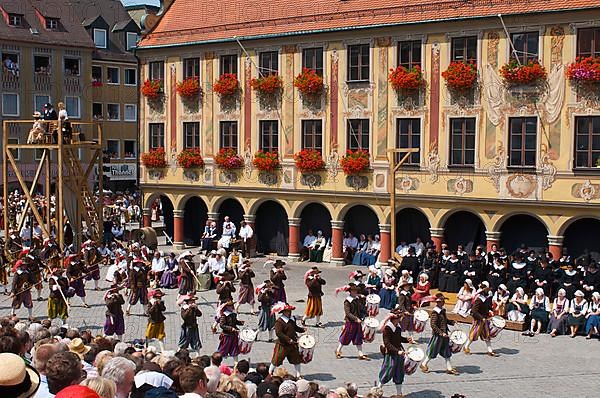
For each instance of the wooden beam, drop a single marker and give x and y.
(32, 189)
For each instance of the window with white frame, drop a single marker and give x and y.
(100, 38)
(132, 39)
(113, 148)
(112, 75)
(97, 111)
(52, 23)
(129, 149)
(39, 101)
(113, 112)
(15, 20)
(73, 105)
(130, 113)
(130, 77)
(10, 104)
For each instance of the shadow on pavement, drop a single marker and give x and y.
(469, 369)
(507, 351)
(425, 394)
(319, 377)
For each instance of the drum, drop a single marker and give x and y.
(306, 347)
(247, 337)
(369, 329)
(458, 338)
(412, 358)
(373, 305)
(420, 318)
(496, 325)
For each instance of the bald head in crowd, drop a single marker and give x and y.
(42, 354)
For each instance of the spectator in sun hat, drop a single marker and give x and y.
(17, 380)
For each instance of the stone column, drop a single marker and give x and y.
(385, 238)
(492, 238)
(213, 217)
(437, 237)
(147, 217)
(555, 245)
(294, 238)
(178, 229)
(250, 219)
(337, 240)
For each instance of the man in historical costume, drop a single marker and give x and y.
(286, 345)
(187, 268)
(234, 261)
(352, 331)
(92, 260)
(405, 305)
(314, 304)
(190, 335)
(246, 293)
(277, 276)
(481, 312)
(439, 344)
(138, 284)
(411, 263)
(392, 368)
(57, 299)
(266, 298)
(246, 233)
(229, 337)
(76, 274)
(156, 318)
(115, 323)
(35, 268)
(21, 289)
(228, 233)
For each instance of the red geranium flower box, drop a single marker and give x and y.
(155, 159)
(406, 79)
(190, 158)
(530, 73)
(309, 161)
(228, 159)
(460, 76)
(152, 89)
(355, 162)
(308, 82)
(189, 88)
(269, 84)
(266, 161)
(584, 70)
(228, 84)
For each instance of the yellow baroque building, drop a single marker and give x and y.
(502, 163)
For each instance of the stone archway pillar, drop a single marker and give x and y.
(492, 238)
(437, 237)
(385, 239)
(337, 240)
(178, 233)
(555, 245)
(147, 217)
(294, 238)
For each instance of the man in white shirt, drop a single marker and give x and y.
(419, 246)
(26, 234)
(158, 267)
(228, 233)
(350, 244)
(246, 233)
(192, 381)
(217, 263)
(308, 241)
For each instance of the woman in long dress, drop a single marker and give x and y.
(388, 290)
(518, 306)
(360, 250)
(592, 324)
(464, 299)
(540, 307)
(169, 276)
(421, 289)
(559, 314)
(579, 308)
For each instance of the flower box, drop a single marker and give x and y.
(228, 159)
(267, 85)
(190, 158)
(460, 76)
(266, 161)
(227, 85)
(309, 83)
(402, 79)
(584, 70)
(155, 159)
(531, 73)
(152, 89)
(96, 83)
(309, 161)
(189, 88)
(355, 162)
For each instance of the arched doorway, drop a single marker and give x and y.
(410, 225)
(583, 236)
(167, 214)
(315, 216)
(523, 229)
(361, 219)
(195, 215)
(272, 229)
(464, 228)
(233, 209)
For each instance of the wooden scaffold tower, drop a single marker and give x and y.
(66, 155)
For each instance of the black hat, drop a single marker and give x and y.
(267, 388)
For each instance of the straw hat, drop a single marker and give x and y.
(76, 346)
(17, 380)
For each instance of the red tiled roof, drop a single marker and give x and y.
(189, 21)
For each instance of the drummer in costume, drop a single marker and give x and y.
(57, 304)
(229, 338)
(92, 259)
(286, 345)
(481, 312)
(439, 344)
(266, 298)
(75, 273)
(352, 331)
(277, 277)
(246, 293)
(189, 336)
(392, 368)
(21, 289)
(115, 323)
(138, 279)
(156, 318)
(405, 306)
(314, 304)
(187, 268)
(225, 290)
(34, 266)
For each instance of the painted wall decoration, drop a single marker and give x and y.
(586, 191)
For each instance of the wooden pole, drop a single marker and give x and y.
(60, 228)
(5, 178)
(48, 180)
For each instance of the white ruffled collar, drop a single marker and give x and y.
(519, 265)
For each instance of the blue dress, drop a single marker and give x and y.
(360, 253)
(593, 321)
(388, 295)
